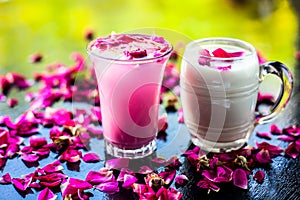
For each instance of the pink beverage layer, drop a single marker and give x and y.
(129, 71)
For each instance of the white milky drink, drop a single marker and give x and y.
(219, 92)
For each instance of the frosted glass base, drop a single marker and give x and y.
(144, 151)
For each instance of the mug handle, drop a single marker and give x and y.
(282, 72)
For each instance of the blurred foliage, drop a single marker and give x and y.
(56, 28)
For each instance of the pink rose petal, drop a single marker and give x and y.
(263, 157)
(272, 149)
(47, 194)
(286, 138)
(5, 179)
(293, 150)
(181, 179)
(209, 185)
(109, 187)
(292, 131)
(97, 177)
(71, 155)
(259, 176)
(37, 141)
(72, 186)
(21, 184)
(168, 176)
(53, 167)
(12, 102)
(240, 178)
(129, 180)
(91, 157)
(275, 130)
(30, 157)
(264, 135)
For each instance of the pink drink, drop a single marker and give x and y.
(129, 69)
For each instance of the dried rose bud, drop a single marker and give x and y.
(154, 181)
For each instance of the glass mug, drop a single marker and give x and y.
(219, 82)
(129, 70)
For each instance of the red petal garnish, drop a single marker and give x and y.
(221, 53)
(136, 53)
(264, 135)
(259, 176)
(91, 157)
(240, 178)
(47, 194)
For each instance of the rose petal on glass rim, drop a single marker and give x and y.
(181, 179)
(264, 135)
(240, 178)
(5, 179)
(275, 130)
(109, 187)
(47, 194)
(259, 176)
(91, 157)
(129, 180)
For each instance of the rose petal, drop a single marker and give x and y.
(129, 180)
(97, 177)
(5, 179)
(264, 135)
(168, 176)
(181, 179)
(91, 157)
(273, 150)
(293, 150)
(263, 157)
(259, 176)
(145, 170)
(12, 102)
(286, 138)
(240, 178)
(71, 155)
(275, 130)
(207, 184)
(292, 131)
(47, 194)
(109, 187)
(37, 141)
(72, 186)
(53, 167)
(12, 150)
(21, 184)
(30, 157)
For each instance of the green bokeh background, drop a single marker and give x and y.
(56, 28)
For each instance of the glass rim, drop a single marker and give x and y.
(226, 41)
(137, 61)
